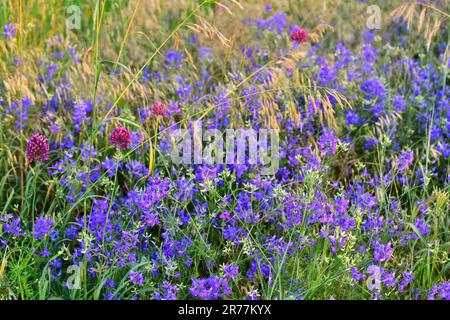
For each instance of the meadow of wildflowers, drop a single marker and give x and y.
(94, 207)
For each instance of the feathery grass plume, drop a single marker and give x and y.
(427, 18)
(319, 31)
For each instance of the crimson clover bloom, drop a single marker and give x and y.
(299, 35)
(159, 109)
(121, 138)
(37, 148)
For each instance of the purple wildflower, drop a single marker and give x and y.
(405, 159)
(42, 227)
(422, 226)
(356, 275)
(230, 270)
(408, 277)
(137, 169)
(327, 142)
(167, 292)
(383, 252)
(80, 113)
(209, 288)
(137, 278)
(441, 291)
(225, 215)
(388, 278)
(111, 166)
(11, 225)
(9, 31)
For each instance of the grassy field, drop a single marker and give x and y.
(94, 204)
